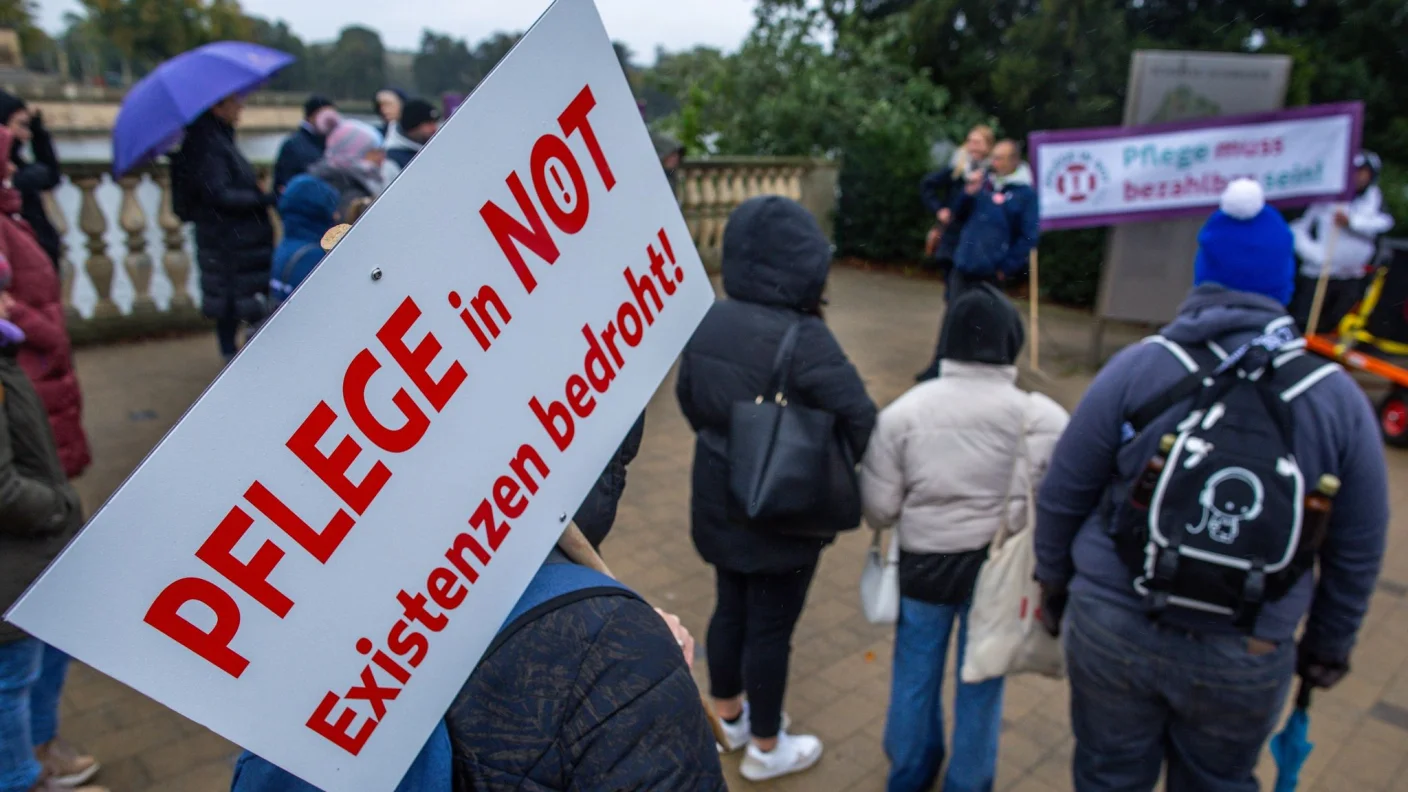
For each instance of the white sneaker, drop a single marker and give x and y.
(793, 754)
(740, 731)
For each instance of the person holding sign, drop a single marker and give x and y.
(1339, 240)
(39, 513)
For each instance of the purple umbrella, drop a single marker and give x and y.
(158, 108)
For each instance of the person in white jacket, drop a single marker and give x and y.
(1355, 228)
(943, 465)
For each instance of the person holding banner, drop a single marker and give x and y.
(1343, 239)
(39, 513)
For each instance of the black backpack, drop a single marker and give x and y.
(1223, 531)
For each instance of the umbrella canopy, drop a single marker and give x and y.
(158, 108)
(1291, 746)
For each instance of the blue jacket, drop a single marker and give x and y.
(303, 148)
(308, 208)
(1335, 432)
(1000, 226)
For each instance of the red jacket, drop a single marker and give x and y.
(46, 354)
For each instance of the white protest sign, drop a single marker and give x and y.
(1095, 177)
(313, 560)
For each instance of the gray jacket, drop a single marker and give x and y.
(39, 511)
(1335, 432)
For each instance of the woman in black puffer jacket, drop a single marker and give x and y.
(216, 188)
(775, 264)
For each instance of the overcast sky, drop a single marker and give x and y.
(642, 24)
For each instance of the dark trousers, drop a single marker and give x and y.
(1341, 294)
(1144, 696)
(750, 640)
(227, 330)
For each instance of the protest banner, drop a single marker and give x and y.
(313, 560)
(1112, 175)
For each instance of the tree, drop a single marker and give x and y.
(355, 65)
(297, 76)
(443, 64)
(36, 45)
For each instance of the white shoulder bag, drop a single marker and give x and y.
(1005, 635)
(880, 582)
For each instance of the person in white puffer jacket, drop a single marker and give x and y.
(1360, 222)
(941, 467)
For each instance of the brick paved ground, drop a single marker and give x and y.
(840, 675)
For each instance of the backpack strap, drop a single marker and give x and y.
(282, 282)
(1137, 420)
(559, 583)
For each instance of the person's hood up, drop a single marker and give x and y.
(376, 106)
(982, 326)
(774, 253)
(308, 208)
(396, 139)
(346, 152)
(9, 105)
(1021, 176)
(1212, 311)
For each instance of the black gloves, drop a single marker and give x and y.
(1053, 607)
(1318, 670)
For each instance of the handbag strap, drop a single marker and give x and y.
(1023, 459)
(892, 555)
(780, 378)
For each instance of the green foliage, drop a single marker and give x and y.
(1070, 265)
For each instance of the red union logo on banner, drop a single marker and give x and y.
(1036, 610)
(1077, 177)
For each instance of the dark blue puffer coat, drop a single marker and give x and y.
(1000, 227)
(308, 209)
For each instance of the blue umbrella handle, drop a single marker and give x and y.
(1303, 694)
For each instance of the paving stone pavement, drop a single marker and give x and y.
(840, 672)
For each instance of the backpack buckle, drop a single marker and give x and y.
(1160, 583)
(1253, 596)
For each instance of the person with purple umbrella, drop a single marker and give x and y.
(215, 187)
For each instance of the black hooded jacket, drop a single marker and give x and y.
(775, 263)
(33, 179)
(217, 189)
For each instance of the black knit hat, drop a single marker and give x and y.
(982, 326)
(416, 112)
(315, 103)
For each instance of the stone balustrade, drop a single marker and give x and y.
(129, 267)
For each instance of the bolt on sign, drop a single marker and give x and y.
(312, 561)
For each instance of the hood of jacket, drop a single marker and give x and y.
(775, 253)
(1213, 312)
(308, 207)
(1020, 177)
(396, 139)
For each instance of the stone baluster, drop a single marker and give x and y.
(98, 266)
(690, 200)
(137, 263)
(794, 182)
(175, 261)
(60, 223)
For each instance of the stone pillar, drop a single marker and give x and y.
(137, 263)
(175, 261)
(60, 223)
(98, 266)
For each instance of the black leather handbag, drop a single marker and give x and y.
(790, 472)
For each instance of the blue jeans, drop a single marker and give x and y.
(31, 679)
(914, 726)
(1143, 694)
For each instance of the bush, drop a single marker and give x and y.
(1070, 265)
